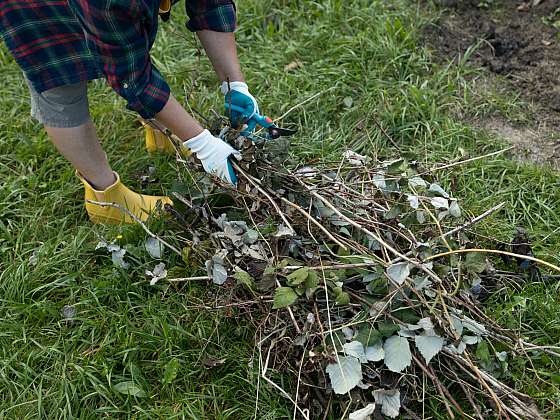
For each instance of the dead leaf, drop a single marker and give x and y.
(296, 64)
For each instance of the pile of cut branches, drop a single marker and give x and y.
(365, 284)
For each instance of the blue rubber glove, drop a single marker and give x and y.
(237, 93)
(214, 154)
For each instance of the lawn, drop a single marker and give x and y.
(367, 62)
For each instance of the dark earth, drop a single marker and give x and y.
(519, 45)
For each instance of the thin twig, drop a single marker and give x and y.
(475, 220)
(493, 251)
(137, 220)
(262, 191)
(462, 162)
(315, 222)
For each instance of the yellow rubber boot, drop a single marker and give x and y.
(156, 141)
(138, 204)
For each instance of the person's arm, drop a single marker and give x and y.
(222, 52)
(118, 31)
(214, 21)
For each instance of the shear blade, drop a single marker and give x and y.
(276, 132)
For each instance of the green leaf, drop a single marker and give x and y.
(341, 297)
(375, 353)
(368, 335)
(428, 346)
(389, 400)
(345, 374)
(283, 297)
(298, 276)
(483, 352)
(311, 281)
(398, 272)
(475, 262)
(245, 279)
(387, 329)
(397, 353)
(129, 388)
(170, 373)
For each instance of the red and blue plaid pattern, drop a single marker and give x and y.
(46, 37)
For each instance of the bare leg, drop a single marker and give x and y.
(80, 145)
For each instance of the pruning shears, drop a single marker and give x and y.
(265, 122)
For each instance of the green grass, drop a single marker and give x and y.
(128, 331)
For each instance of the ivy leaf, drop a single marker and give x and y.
(283, 297)
(397, 353)
(417, 182)
(345, 374)
(129, 388)
(375, 353)
(428, 346)
(311, 281)
(473, 326)
(117, 256)
(413, 201)
(170, 373)
(398, 272)
(159, 272)
(390, 401)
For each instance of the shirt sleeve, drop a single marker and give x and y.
(214, 15)
(118, 33)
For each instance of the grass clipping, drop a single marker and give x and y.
(334, 264)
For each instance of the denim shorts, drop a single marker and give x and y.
(60, 107)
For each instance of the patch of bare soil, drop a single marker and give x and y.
(516, 40)
(531, 143)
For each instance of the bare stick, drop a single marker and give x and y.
(462, 162)
(386, 134)
(315, 222)
(368, 232)
(475, 220)
(262, 191)
(494, 251)
(186, 279)
(137, 220)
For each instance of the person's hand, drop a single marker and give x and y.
(240, 105)
(214, 155)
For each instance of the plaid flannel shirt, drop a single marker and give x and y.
(46, 37)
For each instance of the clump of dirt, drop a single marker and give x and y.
(518, 41)
(515, 42)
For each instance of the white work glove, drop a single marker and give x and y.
(243, 105)
(214, 155)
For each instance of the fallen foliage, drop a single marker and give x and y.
(363, 282)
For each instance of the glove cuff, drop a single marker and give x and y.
(197, 143)
(238, 86)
